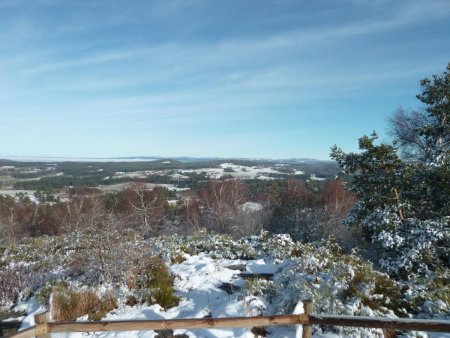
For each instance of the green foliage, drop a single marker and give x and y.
(404, 206)
(436, 96)
(43, 295)
(44, 196)
(376, 171)
(156, 284)
(260, 287)
(57, 182)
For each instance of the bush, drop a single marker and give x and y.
(68, 304)
(155, 284)
(43, 295)
(376, 290)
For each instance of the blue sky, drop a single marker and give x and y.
(275, 78)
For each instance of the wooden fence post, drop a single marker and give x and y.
(308, 310)
(42, 328)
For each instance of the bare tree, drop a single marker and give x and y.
(149, 206)
(190, 212)
(220, 202)
(404, 128)
(7, 219)
(338, 201)
(101, 252)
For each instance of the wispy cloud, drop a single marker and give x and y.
(235, 50)
(409, 14)
(96, 58)
(112, 69)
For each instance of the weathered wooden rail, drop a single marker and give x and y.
(44, 328)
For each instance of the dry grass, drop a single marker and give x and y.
(68, 305)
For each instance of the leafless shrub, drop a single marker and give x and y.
(8, 285)
(14, 279)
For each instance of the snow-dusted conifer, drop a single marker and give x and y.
(404, 205)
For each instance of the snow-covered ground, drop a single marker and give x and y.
(199, 282)
(315, 178)
(239, 171)
(234, 170)
(129, 185)
(209, 283)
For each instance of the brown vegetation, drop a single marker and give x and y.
(68, 304)
(307, 210)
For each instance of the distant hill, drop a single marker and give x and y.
(46, 159)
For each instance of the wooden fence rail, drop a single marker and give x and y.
(44, 328)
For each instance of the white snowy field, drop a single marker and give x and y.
(229, 169)
(129, 185)
(240, 171)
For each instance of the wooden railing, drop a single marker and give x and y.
(44, 327)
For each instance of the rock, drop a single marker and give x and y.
(229, 288)
(251, 275)
(239, 267)
(169, 334)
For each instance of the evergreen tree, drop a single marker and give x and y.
(404, 206)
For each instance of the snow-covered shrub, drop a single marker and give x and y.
(217, 245)
(376, 291)
(259, 287)
(407, 245)
(44, 250)
(277, 246)
(338, 283)
(414, 245)
(429, 296)
(18, 280)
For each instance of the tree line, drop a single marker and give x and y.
(226, 206)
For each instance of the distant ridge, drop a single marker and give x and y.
(154, 158)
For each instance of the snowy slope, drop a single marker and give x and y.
(209, 284)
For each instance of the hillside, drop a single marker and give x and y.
(206, 273)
